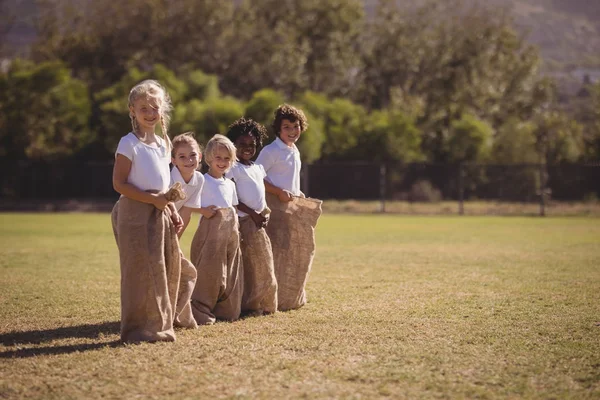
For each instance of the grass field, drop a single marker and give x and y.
(399, 307)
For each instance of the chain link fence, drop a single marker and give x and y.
(417, 182)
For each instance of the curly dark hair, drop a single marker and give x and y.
(292, 114)
(245, 126)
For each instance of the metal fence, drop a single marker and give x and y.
(415, 182)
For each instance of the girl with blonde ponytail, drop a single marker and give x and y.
(146, 223)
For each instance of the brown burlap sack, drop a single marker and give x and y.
(260, 285)
(291, 230)
(151, 273)
(216, 254)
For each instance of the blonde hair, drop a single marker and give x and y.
(219, 141)
(152, 89)
(185, 138)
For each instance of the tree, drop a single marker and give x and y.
(558, 138)
(262, 105)
(104, 40)
(389, 136)
(44, 111)
(470, 140)
(342, 120)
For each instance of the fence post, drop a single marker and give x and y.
(461, 190)
(382, 183)
(542, 172)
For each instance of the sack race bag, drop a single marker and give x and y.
(291, 230)
(260, 285)
(151, 272)
(216, 254)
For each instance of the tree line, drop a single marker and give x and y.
(441, 82)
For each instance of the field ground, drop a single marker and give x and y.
(399, 307)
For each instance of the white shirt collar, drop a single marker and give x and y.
(218, 181)
(176, 175)
(281, 144)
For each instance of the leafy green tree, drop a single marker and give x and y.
(389, 136)
(343, 121)
(262, 105)
(104, 40)
(311, 142)
(291, 46)
(558, 138)
(470, 140)
(212, 117)
(44, 111)
(514, 143)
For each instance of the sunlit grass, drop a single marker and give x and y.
(399, 307)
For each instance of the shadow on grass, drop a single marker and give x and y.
(46, 351)
(90, 331)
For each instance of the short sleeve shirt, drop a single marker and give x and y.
(149, 164)
(192, 189)
(250, 186)
(282, 165)
(218, 192)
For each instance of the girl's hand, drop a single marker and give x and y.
(160, 201)
(259, 220)
(176, 218)
(208, 212)
(284, 196)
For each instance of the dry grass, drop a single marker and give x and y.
(555, 208)
(399, 307)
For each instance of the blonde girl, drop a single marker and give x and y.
(145, 222)
(216, 244)
(185, 157)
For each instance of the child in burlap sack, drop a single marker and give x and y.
(145, 223)
(216, 244)
(185, 157)
(293, 217)
(260, 285)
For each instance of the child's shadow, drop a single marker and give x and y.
(91, 331)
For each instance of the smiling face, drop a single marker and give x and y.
(146, 111)
(290, 132)
(245, 148)
(220, 162)
(187, 158)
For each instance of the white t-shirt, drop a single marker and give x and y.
(250, 186)
(218, 192)
(192, 189)
(282, 165)
(149, 164)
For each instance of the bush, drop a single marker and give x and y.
(424, 191)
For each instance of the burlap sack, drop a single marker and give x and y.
(260, 285)
(216, 254)
(151, 273)
(291, 230)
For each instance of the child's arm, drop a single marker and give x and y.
(258, 219)
(283, 195)
(176, 218)
(186, 216)
(206, 212)
(121, 172)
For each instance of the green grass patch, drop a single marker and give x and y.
(399, 307)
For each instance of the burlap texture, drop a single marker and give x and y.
(216, 254)
(260, 285)
(153, 282)
(291, 230)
